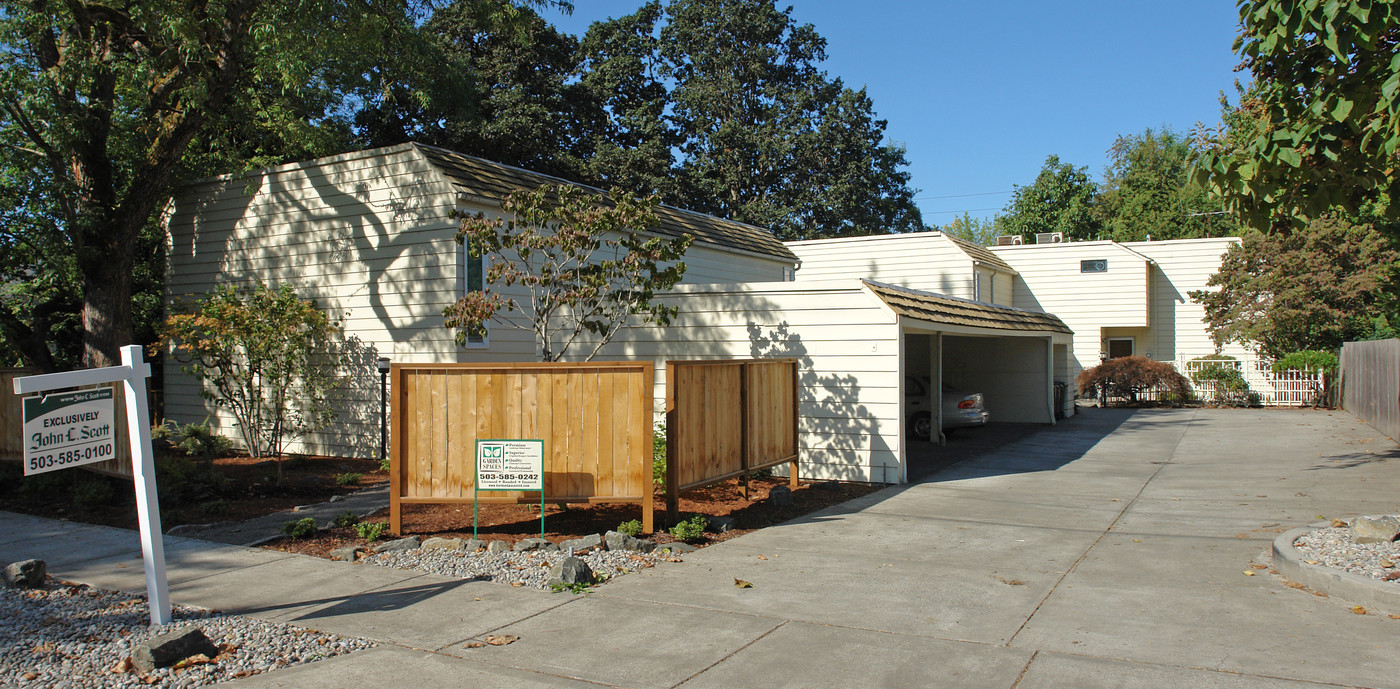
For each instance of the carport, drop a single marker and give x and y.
(1012, 356)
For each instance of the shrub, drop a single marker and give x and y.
(192, 439)
(1130, 376)
(691, 529)
(658, 455)
(93, 492)
(295, 460)
(349, 478)
(347, 519)
(1230, 387)
(631, 528)
(384, 464)
(214, 507)
(370, 531)
(300, 528)
(178, 479)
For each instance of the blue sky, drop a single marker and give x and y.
(981, 92)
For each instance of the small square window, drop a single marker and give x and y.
(1095, 266)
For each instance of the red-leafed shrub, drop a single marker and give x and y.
(1130, 376)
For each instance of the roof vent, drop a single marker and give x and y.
(1049, 237)
(1009, 240)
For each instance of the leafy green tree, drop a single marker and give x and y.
(585, 263)
(1063, 198)
(1315, 131)
(1301, 288)
(1147, 192)
(266, 356)
(101, 103)
(759, 132)
(976, 230)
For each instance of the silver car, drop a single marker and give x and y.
(960, 409)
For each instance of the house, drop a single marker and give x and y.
(370, 236)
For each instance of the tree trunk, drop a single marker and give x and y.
(106, 280)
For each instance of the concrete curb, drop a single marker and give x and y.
(1334, 582)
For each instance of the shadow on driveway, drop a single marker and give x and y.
(1044, 447)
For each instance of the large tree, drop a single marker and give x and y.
(758, 132)
(1316, 129)
(1302, 288)
(101, 103)
(1147, 191)
(1063, 198)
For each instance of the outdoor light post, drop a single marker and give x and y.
(383, 403)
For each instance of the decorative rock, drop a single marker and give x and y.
(438, 543)
(720, 524)
(621, 541)
(347, 554)
(678, 548)
(498, 547)
(410, 543)
(528, 544)
(581, 544)
(780, 496)
(472, 545)
(25, 574)
(170, 648)
(570, 570)
(1374, 529)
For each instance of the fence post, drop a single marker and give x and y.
(796, 433)
(396, 452)
(744, 369)
(649, 417)
(673, 506)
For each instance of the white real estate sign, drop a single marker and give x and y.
(510, 465)
(68, 430)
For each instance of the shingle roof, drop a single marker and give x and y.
(936, 308)
(980, 253)
(493, 181)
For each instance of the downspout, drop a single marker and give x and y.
(937, 395)
(1050, 376)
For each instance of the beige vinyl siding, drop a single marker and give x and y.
(1004, 285)
(1050, 280)
(367, 235)
(847, 344)
(709, 264)
(1183, 266)
(919, 260)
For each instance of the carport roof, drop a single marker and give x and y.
(936, 308)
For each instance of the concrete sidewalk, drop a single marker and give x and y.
(1108, 551)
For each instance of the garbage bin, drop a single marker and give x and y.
(1061, 388)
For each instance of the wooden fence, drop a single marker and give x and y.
(595, 421)
(726, 419)
(12, 426)
(1370, 383)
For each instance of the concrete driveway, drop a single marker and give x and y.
(1108, 551)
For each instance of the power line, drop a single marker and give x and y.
(965, 210)
(959, 196)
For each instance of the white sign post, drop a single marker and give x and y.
(508, 465)
(82, 413)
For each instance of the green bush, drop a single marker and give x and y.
(1230, 386)
(631, 527)
(658, 455)
(347, 519)
(192, 439)
(214, 507)
(295, 460)
(349, 478)
(178, 479)
(300, 528)
(94, 492)
(691, 529)
(370, 531)
(384, 464)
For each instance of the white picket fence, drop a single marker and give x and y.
(1291, 387)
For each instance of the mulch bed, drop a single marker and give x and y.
(511, 523)
(252, 490)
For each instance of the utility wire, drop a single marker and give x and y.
(959, 196)
(965, 210)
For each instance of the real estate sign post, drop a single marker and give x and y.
(508, 465)
(74, 428)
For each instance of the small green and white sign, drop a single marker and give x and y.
(68, 430)
(510, 465)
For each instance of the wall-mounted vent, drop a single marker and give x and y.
(1009, 240)
(1049, 237)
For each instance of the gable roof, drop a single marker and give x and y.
(936, 308)
(980, 253)
(484, 180)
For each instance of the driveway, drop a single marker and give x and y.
(1108, 551)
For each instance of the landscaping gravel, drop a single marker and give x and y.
(1333, 547)
(73, 636)
(526, 569)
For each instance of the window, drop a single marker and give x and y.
(1120, 347)
(475, 278)
(1095, 266)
